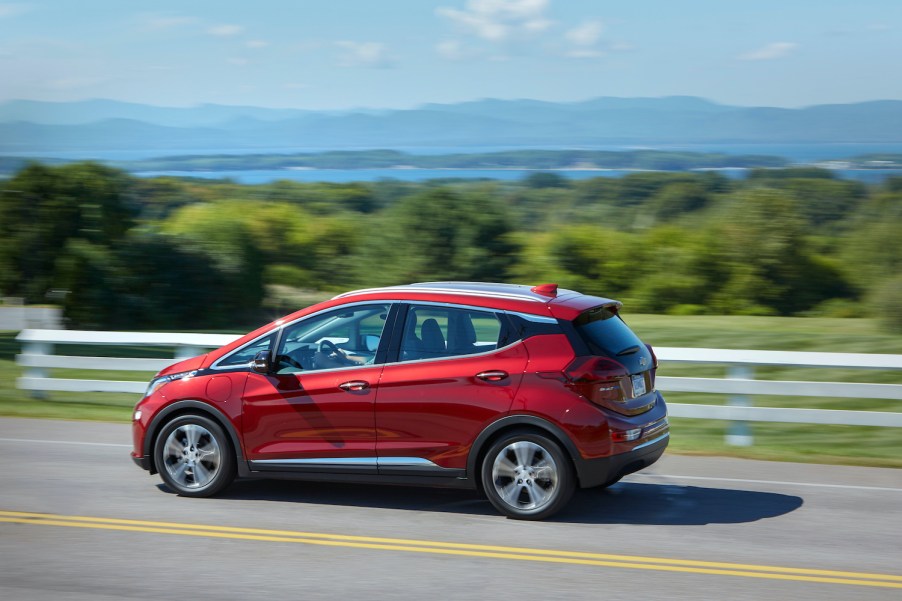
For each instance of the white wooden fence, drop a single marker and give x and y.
(38, 356)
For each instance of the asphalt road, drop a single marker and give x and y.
(79, 521)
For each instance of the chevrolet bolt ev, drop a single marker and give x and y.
(522, 393)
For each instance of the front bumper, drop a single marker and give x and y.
(142, 461)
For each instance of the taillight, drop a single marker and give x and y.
(608, 383)
(601, 380)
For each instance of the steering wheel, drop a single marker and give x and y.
(288, 360)
(328, 347)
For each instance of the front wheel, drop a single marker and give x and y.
(527, 476)
(194, 457)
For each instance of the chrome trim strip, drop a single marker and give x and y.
(533, 318)
(352, 462)
(441, 291)
(332, 461)
(651, 442)
(406, 462)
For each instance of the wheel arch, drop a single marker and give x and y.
(519, 422)
(187, 407)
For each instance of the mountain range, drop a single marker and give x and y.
(93, 125)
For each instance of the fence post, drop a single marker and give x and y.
(740, 433)
(37, 348)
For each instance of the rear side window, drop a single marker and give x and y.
(432, 332)
(607, 335)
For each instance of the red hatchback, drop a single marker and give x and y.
(524, 393)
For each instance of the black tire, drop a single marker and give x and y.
(194, 456)
(527, 476)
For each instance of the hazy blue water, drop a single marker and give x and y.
(415, 175)
(796, 153)
(367, 175)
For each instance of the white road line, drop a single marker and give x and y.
(86, 444)
(630, 477)
(777, 482)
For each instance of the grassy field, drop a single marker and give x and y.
(786, 442)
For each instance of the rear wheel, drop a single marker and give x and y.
(194, 457)
(527, 476)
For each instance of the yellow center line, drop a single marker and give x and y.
(460, 549)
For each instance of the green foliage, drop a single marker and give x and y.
(887, 303)
(42, 208)
(441, 235)
(168, 252)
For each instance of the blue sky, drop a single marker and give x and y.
(338, 54)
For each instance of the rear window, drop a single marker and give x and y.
(606, 334)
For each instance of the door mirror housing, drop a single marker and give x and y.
(261, 364)
(372, 343)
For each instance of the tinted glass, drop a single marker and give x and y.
(432, 332)
(245, 355)
(340, 338)
(607, 335)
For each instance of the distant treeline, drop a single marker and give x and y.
(124, 252)
(511, 159)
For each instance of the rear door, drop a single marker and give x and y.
(456, 370)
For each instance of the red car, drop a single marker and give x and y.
(523, 393)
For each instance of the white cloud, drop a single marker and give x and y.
(364, 54)
(238, 61)
(8, 9)
(586, 34)
(256, 43)
(498, 20)
(585, 40)
(769, 52)
(225, 30)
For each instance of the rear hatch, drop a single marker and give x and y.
(619, 370)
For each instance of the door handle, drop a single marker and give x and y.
(354, 386)
(492, 375)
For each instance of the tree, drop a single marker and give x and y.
(42, 208)
(439, 234)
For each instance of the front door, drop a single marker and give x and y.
(315, 410)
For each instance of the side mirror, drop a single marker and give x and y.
(260, 364)
(372, 343)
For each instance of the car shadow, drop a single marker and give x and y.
(674, 505)
(623, 503)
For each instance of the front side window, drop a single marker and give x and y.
(245, 355)
(345, 337)
(432, 332)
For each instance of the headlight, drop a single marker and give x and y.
(162, 380)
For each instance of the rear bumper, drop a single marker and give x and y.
(596, 472)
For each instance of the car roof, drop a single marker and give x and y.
(546, 300)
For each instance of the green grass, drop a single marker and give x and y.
(784, 442)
